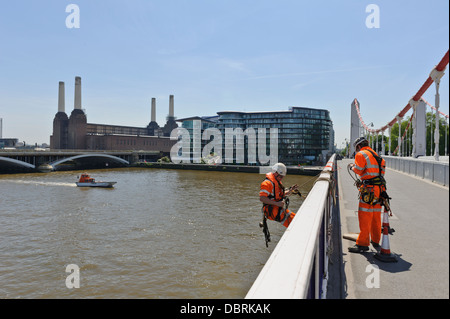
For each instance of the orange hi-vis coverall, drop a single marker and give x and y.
(369, 215)
(274, 190)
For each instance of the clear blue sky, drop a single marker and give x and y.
(246, 55)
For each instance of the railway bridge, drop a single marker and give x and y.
(52, 160)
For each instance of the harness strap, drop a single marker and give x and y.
(378, 180)
(269, 208)
(379, 160)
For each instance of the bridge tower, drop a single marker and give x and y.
(355, 127)
(419, 129)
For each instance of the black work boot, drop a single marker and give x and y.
(375, 245)
(358, 249)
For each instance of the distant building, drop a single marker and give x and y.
(305, 135)
(8, 142)
(75, 132)
(195, 126)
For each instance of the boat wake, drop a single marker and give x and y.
(21, 181)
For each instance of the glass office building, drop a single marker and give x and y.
(305, 135)
(195, 126)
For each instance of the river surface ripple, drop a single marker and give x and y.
(157, 234)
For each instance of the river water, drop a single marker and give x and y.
(157, 234)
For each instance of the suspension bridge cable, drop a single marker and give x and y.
(443, 114)
(439, 68)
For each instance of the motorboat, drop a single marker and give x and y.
(87, 181)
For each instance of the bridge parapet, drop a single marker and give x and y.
(298, 266)
(423, 167)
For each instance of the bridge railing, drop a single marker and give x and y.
(428, 169)
(298, 266)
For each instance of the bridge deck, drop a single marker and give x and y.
(420, 241)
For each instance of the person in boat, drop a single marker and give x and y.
(273, 193)
(85, 178)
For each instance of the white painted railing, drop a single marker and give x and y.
(423, 167)
(298, 266)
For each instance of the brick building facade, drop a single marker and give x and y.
(75, 132)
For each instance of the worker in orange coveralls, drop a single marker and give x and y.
(371, 169)
(272, 194)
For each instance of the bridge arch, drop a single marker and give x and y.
(16, 163)
(76, 157)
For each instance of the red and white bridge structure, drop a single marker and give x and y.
(417, 121)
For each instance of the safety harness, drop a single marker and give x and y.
(378, 180)
(367, 195)
(274, 196)
(263, 224)
(277, 218)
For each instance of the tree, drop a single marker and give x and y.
(430, 127)
(443, 128)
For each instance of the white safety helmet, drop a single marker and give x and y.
(279, 168)
(359, 140)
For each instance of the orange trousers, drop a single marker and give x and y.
(369, 223)
(285, 217)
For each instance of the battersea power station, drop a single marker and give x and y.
(75, 133)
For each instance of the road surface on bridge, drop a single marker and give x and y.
(420, 240)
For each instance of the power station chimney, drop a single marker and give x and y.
(77, 103)
(153, 119)
(153, 127)
(1, 128)
(171, 113)
(170, 123)
(61, 98)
